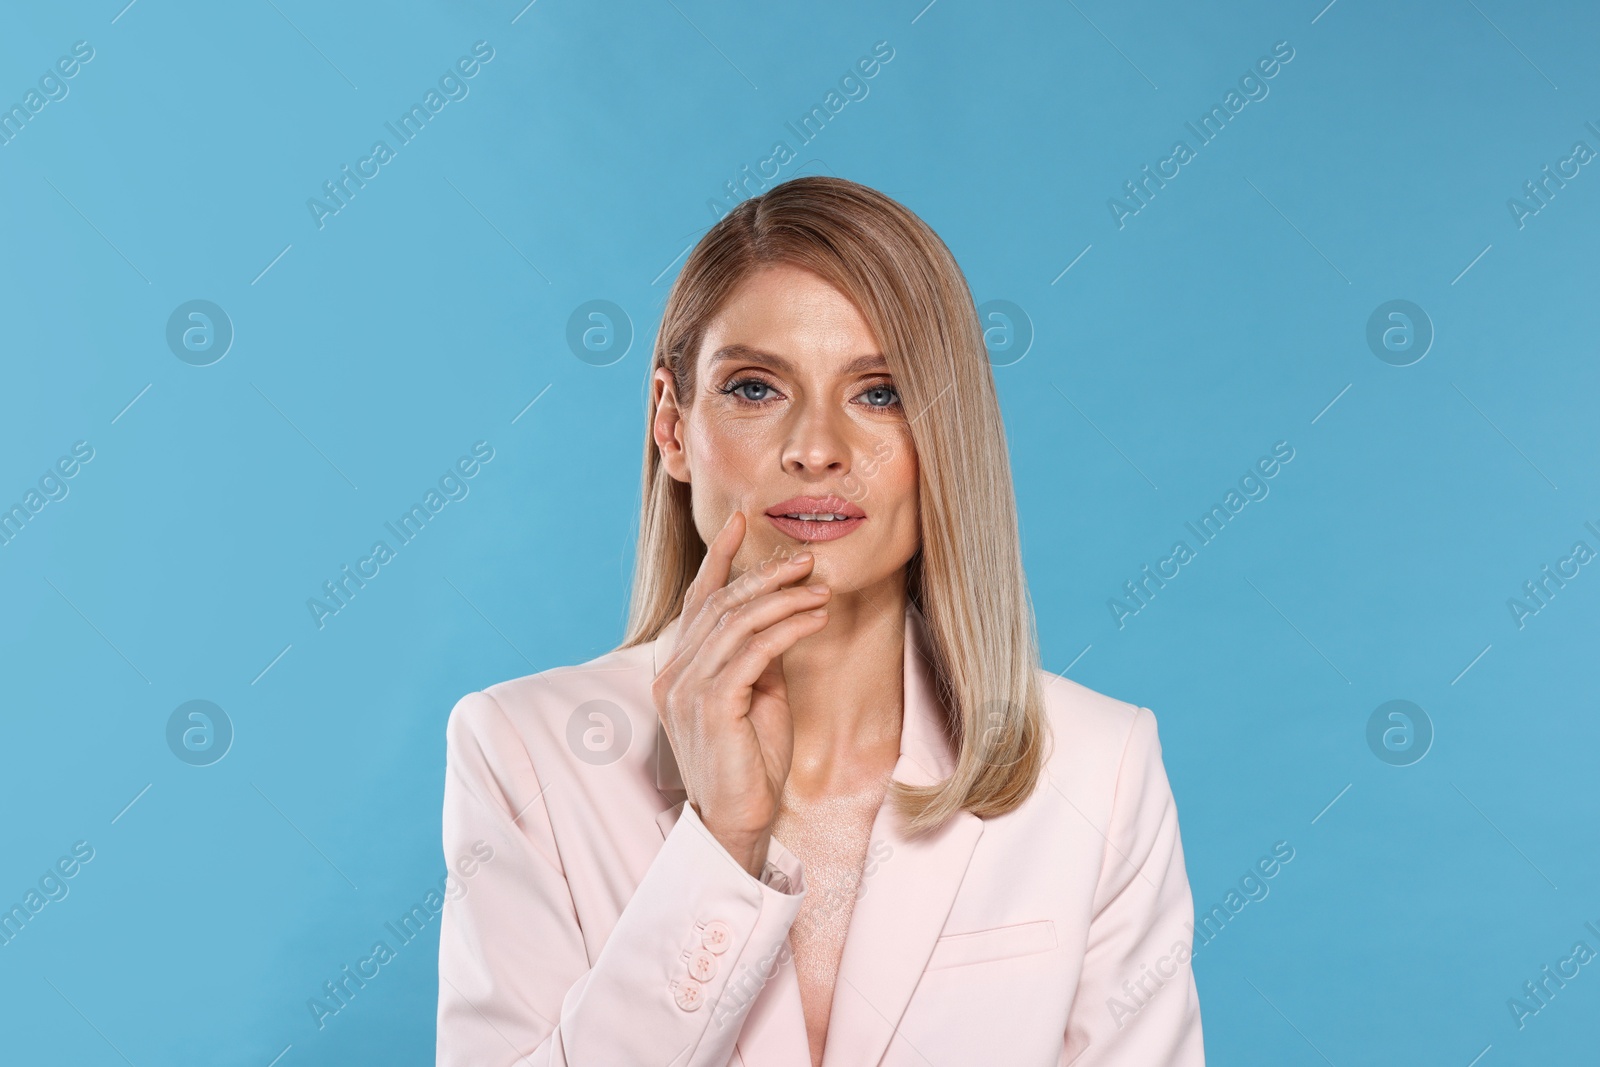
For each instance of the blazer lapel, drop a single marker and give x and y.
(902, 906)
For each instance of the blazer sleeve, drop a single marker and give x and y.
(516, 984)
(1136, 1000)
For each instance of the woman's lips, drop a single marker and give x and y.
(815, 529)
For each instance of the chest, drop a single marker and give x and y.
(831, 839)
(831, 836)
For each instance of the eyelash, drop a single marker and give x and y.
(731, 389)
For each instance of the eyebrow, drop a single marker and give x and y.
(733, 352)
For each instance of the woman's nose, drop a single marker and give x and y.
(818, 442)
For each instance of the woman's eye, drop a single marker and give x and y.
(882, 396)
(738, 389)
(756, 391)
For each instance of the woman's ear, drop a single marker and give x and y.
(667, 425)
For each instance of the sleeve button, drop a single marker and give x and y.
(689, 994)
(716, 936)
(702, 966)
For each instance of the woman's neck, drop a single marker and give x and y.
(846, 692)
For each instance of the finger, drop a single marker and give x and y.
(739, 624)
(769, 575)
(717, 564)
(765, 646)
(712, 575)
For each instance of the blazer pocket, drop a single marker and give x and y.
(997, 943)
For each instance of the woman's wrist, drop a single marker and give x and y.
(748, 850)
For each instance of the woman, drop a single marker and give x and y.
(822, 806)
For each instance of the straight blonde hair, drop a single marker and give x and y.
(966, 577)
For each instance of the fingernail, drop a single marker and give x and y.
(817, 587)
(800, 557)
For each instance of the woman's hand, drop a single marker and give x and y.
(722, 696)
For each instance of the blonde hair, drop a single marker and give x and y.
(966, 577)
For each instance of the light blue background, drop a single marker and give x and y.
(1227, 315)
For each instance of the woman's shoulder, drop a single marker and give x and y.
(1087, 716)
(1096, 740)
(609, 693)
(561, 755)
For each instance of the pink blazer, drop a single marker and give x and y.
(591, 920)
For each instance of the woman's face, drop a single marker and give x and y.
(794, 400)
